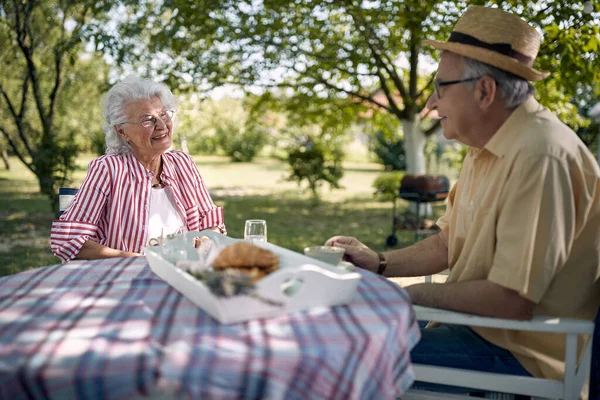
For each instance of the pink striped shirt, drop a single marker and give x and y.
(111, 207)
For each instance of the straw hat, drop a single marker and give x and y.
(498, 38)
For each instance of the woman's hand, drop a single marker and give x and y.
(198, 241)
(356, 252)
(130, 254)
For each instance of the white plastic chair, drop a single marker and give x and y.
(568, 389)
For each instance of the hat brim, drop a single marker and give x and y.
(497, 60)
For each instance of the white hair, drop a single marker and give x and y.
(514, 90)
(119, 96)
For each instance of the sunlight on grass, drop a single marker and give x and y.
(245, 190)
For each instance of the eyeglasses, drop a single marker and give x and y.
(151, 120)
(438, 84)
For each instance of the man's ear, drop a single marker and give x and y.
(486, 92)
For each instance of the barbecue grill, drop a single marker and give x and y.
(418, 188)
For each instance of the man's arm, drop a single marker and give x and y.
(479, 297)
(427, 257)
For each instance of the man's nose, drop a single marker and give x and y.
(432, 101)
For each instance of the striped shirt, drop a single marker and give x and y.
(112, 205)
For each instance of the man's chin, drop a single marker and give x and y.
(449, 135)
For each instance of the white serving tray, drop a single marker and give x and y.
(315, 283)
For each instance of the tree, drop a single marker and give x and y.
(41, 44)
(363, 52)
(315, 157)
(4, 154)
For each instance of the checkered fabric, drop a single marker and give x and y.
(112, 329)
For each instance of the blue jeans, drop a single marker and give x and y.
(457, 346)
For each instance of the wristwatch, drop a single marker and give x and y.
(382, 264)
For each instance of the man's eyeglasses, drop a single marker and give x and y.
(151, 120)
(438, 84)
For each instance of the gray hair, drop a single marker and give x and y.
(514, 90)
(119, 96)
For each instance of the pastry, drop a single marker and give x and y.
(248, 258)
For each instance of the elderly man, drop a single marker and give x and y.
(521, 232)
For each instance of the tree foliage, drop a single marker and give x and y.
(349, 49)
(232, 126)
(389, 150)
(41, 42)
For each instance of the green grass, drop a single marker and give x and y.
(245, 190)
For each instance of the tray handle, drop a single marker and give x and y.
(307, 284)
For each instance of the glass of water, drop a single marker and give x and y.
(255, 229)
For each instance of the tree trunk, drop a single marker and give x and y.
(48, 187)
(414, 149)
(314, 189)
(5, 159)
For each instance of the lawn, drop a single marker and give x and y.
(245, 190)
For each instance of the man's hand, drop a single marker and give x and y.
(356, 252)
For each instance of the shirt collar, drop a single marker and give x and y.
(139, 172)
(136, 169)
(504, 137)
(168, 170)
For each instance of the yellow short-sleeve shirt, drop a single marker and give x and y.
(525, 214)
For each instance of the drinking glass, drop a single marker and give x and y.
(255, 229)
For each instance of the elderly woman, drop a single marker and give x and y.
(140, 189)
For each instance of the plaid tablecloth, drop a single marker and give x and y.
(112, 329)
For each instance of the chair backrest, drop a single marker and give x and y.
(595, 367)
(65, 199)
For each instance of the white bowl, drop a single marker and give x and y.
(329, 254)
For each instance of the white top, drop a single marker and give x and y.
(163, 216)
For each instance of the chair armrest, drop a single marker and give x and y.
(537, 324)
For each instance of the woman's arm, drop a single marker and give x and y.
(92, 251)
(79, 223)
(211, 216)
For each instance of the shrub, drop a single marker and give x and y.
(243, 143)
(389, 149)
(203, 144)
(387, 185)
(316, 160)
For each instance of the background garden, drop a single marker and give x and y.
(304, 113)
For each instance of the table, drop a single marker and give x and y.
(112, 329)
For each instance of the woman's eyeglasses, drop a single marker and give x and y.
(151, 120)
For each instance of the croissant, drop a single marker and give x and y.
(254, 260)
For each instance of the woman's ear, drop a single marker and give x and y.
(120, 131)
